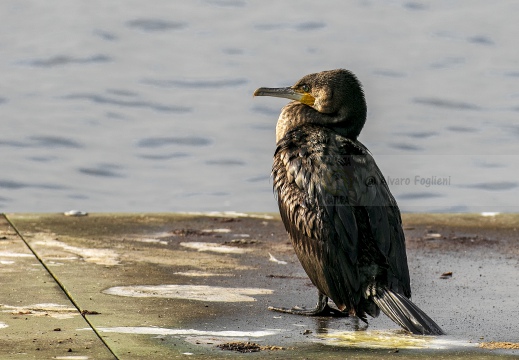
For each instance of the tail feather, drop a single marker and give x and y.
(402, 311)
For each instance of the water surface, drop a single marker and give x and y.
(127, 106)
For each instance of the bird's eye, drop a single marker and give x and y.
(305, 88)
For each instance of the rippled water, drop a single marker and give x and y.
(139, 106)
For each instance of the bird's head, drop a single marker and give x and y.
(336, 94)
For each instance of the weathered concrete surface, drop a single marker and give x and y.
(37, 320)
(166, 286)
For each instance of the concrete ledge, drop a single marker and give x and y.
(160, 286)
(37, 319)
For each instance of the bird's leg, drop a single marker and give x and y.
(321, 309)
(359, 326)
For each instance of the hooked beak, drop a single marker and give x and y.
(287, 93)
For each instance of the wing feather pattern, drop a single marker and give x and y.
(337, 207)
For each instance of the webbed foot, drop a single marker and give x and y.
(321, 309)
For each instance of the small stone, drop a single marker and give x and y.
(75, 213)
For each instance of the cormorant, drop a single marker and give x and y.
(341, 218)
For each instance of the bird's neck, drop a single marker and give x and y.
(345, 122)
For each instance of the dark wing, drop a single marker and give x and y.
(369, 191)
(326, 184)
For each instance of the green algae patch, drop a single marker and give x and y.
(473, 221)
(377, 340)
(380, 339)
